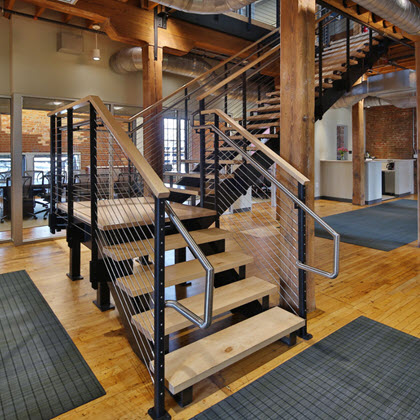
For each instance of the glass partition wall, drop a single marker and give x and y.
(31, 148)
(5, 170)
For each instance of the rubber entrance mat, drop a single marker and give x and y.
(42, 374)
(365, 370)
(384, 227)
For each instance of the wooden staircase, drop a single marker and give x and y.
(188, 365)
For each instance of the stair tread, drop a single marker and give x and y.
(273, 116)
(142, 283)
(128, 250)
(190, 364)
(197, 175)
(263, 125)
(275, 100)
(183, 189)
(265, 108)
(225, 298)
(212, 161)
(258, 136)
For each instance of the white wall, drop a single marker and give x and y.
(326, 138)
(39, 70)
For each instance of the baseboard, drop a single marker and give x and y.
(344, 200)
(379, 200)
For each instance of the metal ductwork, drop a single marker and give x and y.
(397, 88)
(130, 59)
(206, 7)
(402, 13)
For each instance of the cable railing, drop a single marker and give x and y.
(117, 206)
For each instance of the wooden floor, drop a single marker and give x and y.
(381, 285)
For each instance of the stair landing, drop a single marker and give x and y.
(131, 212)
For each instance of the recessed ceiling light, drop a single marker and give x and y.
(96, 27)
(117, 108)
(56, 103)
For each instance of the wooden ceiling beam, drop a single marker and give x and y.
(8, 4)
(38, 12)
(66, 17)
(128, 23)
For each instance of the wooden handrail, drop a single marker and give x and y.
(205, 74)
(142, 165)
(294, 173)
(238, 73)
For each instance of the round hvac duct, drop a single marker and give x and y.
(130, 59)
(402, 13)
(206, 7)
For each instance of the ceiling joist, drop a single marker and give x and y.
(128, 23)
(8, 4)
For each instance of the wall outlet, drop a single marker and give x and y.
(415, 156)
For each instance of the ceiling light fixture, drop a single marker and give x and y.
(117, 108)
(96, 53)
(56, 103)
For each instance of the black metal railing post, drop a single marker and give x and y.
(186, 126)
(320, 75)
(59, 149)
(244, 100)
(216, 172)
(158, 411)
(302, 258)
(93, 198)
(348, 54)
(70, 191)
(202, 155)
(277, 13)
(53, 136)
(225, 105)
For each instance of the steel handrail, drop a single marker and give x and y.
(204, 322)
(301, 204)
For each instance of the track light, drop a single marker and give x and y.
(96, 52)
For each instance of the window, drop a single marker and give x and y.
(170, 143)
(43, 163)
(5, 163)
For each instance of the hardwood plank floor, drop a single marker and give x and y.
(381, 285)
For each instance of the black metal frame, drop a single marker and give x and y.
(302, 258)
(158, 412)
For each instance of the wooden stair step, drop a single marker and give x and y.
(258, 136)
(324, 85)
(273, 116)
(275, 100)
(129, 250)
(183, 189)
(141, 283)
(225, 298)
(196, 175)
(230, 149)
(212, 161)
(265, 108)
(263, 125)
(191, 364)
(275, 93)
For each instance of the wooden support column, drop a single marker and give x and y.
(418, 135)
(297, 118)
(152, 93)
(358, 135)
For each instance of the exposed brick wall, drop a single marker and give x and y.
(36, 135)
(389, 132)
